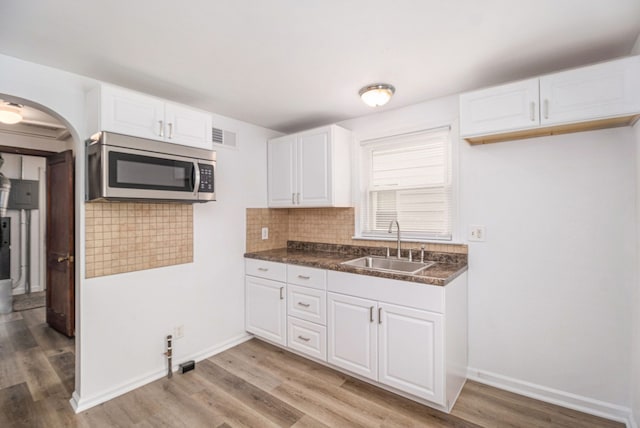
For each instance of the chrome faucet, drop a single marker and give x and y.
(398, 227)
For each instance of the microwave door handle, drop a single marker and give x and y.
(196, 178)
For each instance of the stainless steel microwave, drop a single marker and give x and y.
(121, 167)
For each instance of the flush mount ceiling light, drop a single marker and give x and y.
(376, 95)
(10, 113)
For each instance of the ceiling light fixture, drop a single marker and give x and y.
(376, 95)
(10, 113)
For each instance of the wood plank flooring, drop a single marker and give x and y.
(252, 385)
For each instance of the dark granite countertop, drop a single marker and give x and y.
(446, 268)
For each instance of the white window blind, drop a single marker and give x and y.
(408, 177)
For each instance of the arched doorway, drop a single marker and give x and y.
(41, 327)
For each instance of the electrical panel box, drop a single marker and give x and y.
(24, 195)
(5, 247)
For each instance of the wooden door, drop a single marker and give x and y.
(266, 309)
(411, 351)
(60, 301)
(353, 334)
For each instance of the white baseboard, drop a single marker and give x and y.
(554, 396)
(80, 404)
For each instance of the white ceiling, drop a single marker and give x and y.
(292, 64)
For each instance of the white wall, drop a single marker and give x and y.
(135, 311)
(550, 288)
(34, 169)
(549, 291)
(635, 302)
(122, 319)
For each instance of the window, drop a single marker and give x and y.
(407, 177)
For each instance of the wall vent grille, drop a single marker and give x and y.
(224, 137)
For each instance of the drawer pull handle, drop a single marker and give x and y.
(379, 315)
(306, 339)
(304, 305)
(263, 269)
(281, 294)
(304, 277)
(371, 314)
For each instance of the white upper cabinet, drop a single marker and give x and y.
(504, 108)
(281, 161)
(187, 126)
(595, 92)
(593, 97)
(131, 113)
(310, 169)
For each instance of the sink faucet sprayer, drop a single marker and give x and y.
(398, 227)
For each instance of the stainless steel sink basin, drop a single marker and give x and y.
(388, 264)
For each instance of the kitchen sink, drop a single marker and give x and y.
(388, 264)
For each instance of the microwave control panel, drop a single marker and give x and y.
(206, 178)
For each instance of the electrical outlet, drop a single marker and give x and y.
(265, 233)
(178, 332)
(477, 233)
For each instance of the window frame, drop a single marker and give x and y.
(361, 180)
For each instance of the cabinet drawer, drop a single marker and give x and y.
(308, 338)
(307, 303)
(264, 269)
(306, 276)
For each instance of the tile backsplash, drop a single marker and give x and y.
(125, 237)
(326, 225)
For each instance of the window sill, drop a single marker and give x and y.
(407, 239)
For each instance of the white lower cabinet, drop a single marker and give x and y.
(353, 334)
(405, 336)
(410, 351)
(394, 345)
(266, 309)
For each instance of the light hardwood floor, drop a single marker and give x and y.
(252, 385)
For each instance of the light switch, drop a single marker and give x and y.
(265, 233)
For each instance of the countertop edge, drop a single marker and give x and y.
(338, 267)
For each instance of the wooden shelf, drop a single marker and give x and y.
(555, 130)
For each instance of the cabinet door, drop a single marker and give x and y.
(266, 309)
(353, 334)
(131, 113)
(314, 173)
(595, 92)
(411, 351)
(187, 126)
(499, 109)
(281, 170)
